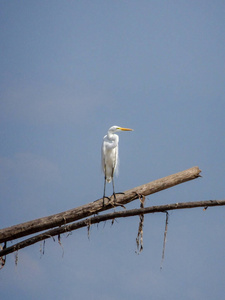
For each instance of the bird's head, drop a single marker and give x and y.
(115, 128)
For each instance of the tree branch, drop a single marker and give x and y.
(105, 217)
(31, 227)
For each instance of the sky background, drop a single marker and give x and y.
(69, 71)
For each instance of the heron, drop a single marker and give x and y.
(110, 159)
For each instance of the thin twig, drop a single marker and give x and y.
(164, 240)
(139, 239)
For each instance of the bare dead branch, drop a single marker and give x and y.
(41, 224)
(105, 217)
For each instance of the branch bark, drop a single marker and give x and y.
(41, 224)
(97, 219)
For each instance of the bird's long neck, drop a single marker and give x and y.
(114, 138)
(111, 136)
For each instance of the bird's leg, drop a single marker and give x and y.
(114, 194)
(104, 193)
(104, 196)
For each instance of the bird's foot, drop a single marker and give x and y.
(115, 200)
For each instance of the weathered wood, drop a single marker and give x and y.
(30, 227)
(97, 219)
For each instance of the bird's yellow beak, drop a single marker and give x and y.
(125, 129)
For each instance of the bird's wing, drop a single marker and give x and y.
(103, 150)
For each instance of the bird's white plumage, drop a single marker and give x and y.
(110, 154)
(110, 159)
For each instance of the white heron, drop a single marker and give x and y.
(110, 155)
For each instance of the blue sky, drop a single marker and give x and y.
(69, 71)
